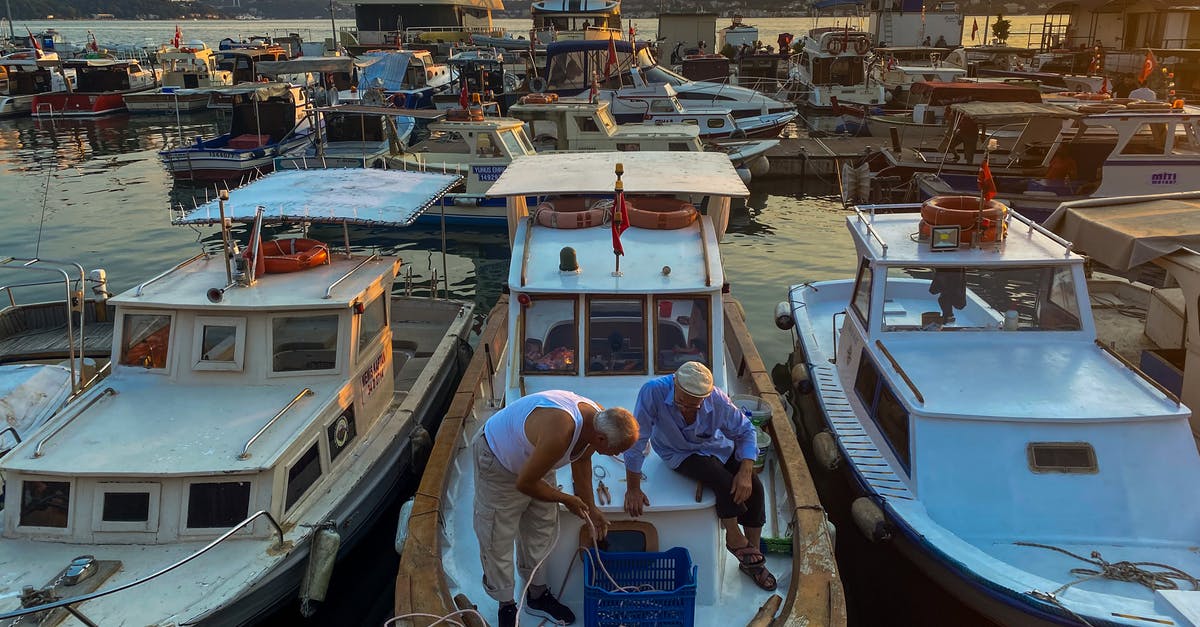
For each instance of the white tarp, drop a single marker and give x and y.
(352, 195)
(705, 173)
(1124, 233)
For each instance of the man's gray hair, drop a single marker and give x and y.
(618, 426)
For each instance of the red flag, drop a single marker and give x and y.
(92, 44)
(620, 222)
(612, 56)
(974, 27)
(632, 32)
(33, 41)
(462, 96)
(595, 90)
(1104, 87)
(1147, 67)
(987, 186)
(177, 40)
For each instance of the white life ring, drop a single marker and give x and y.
(537, 84)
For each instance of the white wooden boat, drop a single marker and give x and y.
(668, 289)
(252, 427)
(833, 64)
(982, 429)
(101, 87)
(190, 66)
(898, 68)
(27, 73)
(352, 136)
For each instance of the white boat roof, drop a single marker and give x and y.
(576, 6)
(187, 287)
(363, 196)
(647, 251)
(1024, 244)
(706, 173)
(1126, 232)
(491, 5)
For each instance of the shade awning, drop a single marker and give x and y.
(256, 91)
(1123, 233)
(706, 173)
(333, 196)
(304, 65)
(425, 114)
(991, 111)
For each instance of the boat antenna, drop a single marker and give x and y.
(8, 8)
(37, 247)
(445, 274)
(333, 43)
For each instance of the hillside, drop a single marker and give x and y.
(120, 9)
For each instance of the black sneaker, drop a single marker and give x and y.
(508, 615)
(548, 607)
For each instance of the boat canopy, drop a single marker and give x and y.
(327, 65)
(332, 196)
(591, 45)
(256, 91)
(98, 62)
(939, 93)
(1126, 232)
(705, 173)
(425, 114)
(388, 67)
(1004, 111)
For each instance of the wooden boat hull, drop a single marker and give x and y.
(81, 104)
(164, 103)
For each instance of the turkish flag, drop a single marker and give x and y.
(33, 41)
(177, 41)
(987, 185)
(462, 96)
(612, 57)
(974, 28)
(1147, 67)
(620, 222)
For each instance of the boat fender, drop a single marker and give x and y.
(759, 167)
(744, 174)
(402, 526)
(869, 519)
(801, 381)
(537, 84)
(783, 316)
(825, 449)
(831, 529)
(322, 554)
(420, 443)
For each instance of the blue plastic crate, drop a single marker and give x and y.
(667, 596)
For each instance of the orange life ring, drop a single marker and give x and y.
(963, 211)
(1101, 107)
(861, 45)
(572, 212)
(1149, 106)
(834, 46)
(660, 213)
(279, 256)
(1083, 95)
(539, 98)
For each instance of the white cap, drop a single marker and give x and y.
(694, 378)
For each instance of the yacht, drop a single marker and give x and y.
(567, 20)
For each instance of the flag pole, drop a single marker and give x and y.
(619, 189)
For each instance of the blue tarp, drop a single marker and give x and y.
(825, 4)
(388, 67)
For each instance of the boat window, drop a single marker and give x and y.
(616, 331)
(716, 122)
(861, 303)
(123, 506)
(1066, 457)
(682, 332)
(566, 71)
(883, 407)
(126, 506)
(1150, 139)
(606, 118)
(485, 146)
(1039, 298)
(1186, 140)
(219, 343)
(144, 340)
(866, 381)
(304, 343)
(586, 124)
(662, 105)
(353, 128)
(551, 340)
(45, 503)
(371, 323)
(678, 147)
(341, 432)
(512, 143)
(220, 504)
(303, 474)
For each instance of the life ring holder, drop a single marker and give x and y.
(537, 85)
(572, 212)
(539, 98)
(1149, 106)
(281, 256)
(1083, 95)
(963, 211)
(862, 46)
(664, 214)
(1101, 107)
(834, 46)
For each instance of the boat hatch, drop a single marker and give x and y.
(1066, 457)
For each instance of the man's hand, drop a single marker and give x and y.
(576, 505)
(599, 522)
(635, 501)
(742, 484)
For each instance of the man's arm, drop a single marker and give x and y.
(737, 427)
(644, 412)
(554, 428)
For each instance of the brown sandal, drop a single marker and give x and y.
(752, 562)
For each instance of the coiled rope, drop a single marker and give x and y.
(1167, 577)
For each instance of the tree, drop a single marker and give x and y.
(1000, 28)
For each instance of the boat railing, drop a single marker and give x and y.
(863, 218)
(329, 290)
(1130, 365)
(140, 288)
(903, 375)
(67, 604)
(37, 452)
(1034, 226)
(245, 454)
(73, 299)
(13, 430)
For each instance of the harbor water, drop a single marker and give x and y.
(94, 191)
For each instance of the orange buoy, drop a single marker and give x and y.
(572, 212)
(279, 256)
(660, 213)
(963, 211)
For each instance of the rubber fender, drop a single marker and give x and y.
(825, 449)
(783, 316)
(420, 442)
(869, 519)
(322, 554)
(402, 526)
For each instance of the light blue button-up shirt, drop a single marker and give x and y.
(720, 427)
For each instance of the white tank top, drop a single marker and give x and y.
(505, 431)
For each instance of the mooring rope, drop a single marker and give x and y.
(1167, 578)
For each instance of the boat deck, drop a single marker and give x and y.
(31, 332)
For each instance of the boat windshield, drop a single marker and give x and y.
(1031, 298)
(551, 336)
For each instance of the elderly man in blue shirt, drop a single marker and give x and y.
(701, 434)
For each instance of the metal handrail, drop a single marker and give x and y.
(871, 230)
(73, 297)
(9, 288)
(1129, 364)
(1034, 226)
(138, 291)
(903, 375)
(91, 401)
(329, 290)
(296, 399)
(13, 430)
(95, 595)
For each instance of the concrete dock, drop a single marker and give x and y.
(818, 157)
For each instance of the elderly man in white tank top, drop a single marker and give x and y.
(516, 455)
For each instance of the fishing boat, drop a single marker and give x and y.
(188, 66)
(391, 24)
(660, 105)
(899, 68)
(267, 120)
(26, 73)
(352, 136)
(958, 387)
(832, 63)
(300, 393)
(1111, 150)
(579, 125)
(664, 304)
(101, 87)
(409, 78)
(570, 66)
(568, 20)
(243, 61)
(930, 101)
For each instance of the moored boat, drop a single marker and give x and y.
(602, 330)
(300, 393)
(190, 65)
(352, 136)
(101, 87)
(26, 73)
(832, 63)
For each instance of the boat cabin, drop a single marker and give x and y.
(23, 75)
(352, 136)
(561, 20)
(583, 125)
(242, 61)
(192, 65)
(109, 75)
(929, 99)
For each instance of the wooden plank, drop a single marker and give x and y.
(421, 585)
(815, 596)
